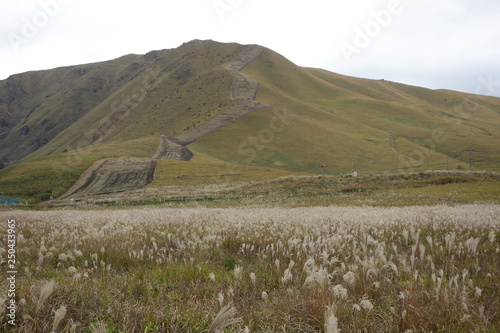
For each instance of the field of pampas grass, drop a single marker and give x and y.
(319, 269)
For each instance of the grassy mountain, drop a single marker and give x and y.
(170, 92)
(55, 124)
(342, 121)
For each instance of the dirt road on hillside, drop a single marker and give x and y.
(170, 150)
(243, 89)
(129, 173)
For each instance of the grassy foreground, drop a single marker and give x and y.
(408, 269)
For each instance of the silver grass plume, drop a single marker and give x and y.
(45, 292)
(224, 318)
(331, 325)
(58, 316)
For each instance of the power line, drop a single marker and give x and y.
(470, 150)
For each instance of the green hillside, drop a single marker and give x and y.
(309, 118)
(36, 106)
(176, 91)
(341, 121)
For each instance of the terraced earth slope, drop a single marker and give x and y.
(113, 175)
(170, 150)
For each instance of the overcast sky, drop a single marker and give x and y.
(451, 44)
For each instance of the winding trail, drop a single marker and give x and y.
(121, 174)
(243, 89)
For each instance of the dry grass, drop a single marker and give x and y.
(230, 190)
(357, 269)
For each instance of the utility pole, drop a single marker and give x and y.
(324, 179)
(470, 158)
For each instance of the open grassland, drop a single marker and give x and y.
(181, 173)
(353, 269)
(186, 184)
